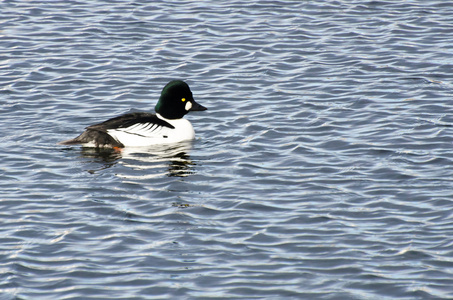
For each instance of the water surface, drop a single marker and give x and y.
(322, 169)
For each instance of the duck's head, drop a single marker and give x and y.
(176, 100)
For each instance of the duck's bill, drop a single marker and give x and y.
(197, 107)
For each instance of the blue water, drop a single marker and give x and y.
(322, 169)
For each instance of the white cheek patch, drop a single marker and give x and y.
(188, 105)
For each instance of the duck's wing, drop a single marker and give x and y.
(132, 121)
(106, 134)
(138, 125)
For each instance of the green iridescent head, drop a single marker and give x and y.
(176, 100)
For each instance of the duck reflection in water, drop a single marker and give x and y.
(170, 160)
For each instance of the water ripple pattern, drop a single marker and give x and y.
(322, 169)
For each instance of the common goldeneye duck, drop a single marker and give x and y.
(146, 129)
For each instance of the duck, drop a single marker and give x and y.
(138, 129)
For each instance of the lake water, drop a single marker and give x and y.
(323, 168)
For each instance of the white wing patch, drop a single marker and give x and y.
(146, 134)
(149, 130)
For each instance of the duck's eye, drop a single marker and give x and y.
(183, 99)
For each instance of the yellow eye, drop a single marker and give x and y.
(183, 99)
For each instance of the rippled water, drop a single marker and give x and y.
(322, 169)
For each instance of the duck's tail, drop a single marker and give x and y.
(70, 142)
(94, 138)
